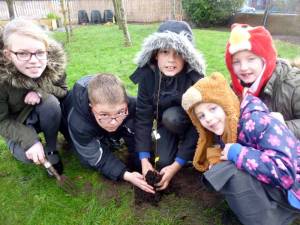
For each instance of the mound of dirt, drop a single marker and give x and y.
(187, 183)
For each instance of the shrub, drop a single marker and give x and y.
(52, 16)
(210, 12)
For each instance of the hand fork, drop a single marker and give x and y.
(63, 181)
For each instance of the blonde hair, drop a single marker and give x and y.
(24, 27)
(106, 89)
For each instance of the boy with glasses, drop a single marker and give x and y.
(98, 112)
(32, 81)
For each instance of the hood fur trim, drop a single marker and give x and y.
(170, 40)
(54, 71)
(296, 62)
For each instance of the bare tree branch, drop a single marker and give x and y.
(11, 11)
(117, 12)
(267, 12)
(123, 22)
(63, 10)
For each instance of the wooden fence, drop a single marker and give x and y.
(142, 11)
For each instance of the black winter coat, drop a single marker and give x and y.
(172, 89)
(89, 139)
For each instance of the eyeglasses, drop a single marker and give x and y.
(105, 118)
(26, 56)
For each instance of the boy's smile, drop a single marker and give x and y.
(169, 62)
(212, 117)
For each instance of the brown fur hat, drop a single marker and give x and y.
(211, 89)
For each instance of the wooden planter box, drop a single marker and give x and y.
(50, 23)
(3, 22)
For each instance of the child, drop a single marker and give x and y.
(99, 111)
(32, 80)
(168, 64)
(254, 68)
(262, 184)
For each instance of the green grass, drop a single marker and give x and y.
(29, 197)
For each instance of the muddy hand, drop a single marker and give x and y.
(146, 165)
(167, 174)
(137, 179)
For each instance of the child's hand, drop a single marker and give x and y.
(36, 153)
(32, 98)
(167, 174)
(146, 165)
(224, 153)
(137, 179)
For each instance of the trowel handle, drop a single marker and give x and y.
(49, 167)
(47, 164)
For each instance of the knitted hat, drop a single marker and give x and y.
(177, 27)
(175, 35)
(257, 40)
(211, 89)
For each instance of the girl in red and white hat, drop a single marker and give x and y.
(255, 69)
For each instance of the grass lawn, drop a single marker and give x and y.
(29, 197)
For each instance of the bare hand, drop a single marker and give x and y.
(32, 98)
(36, 153)
(146, 165)
(137, 179)
(167, 174)
(224, 153)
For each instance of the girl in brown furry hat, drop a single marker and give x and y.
(32, 80)
(246, 154)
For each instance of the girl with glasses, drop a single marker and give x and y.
(32, 81)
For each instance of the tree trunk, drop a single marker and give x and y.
(267, 12)
(63, 10)
(11, 11)
(69, 17)
(117, 12)
(174, 9)
(123, 22)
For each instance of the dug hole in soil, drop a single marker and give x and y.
(186, 183)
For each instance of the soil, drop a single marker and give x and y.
(68, 185)
(186, 188)
(152, 178)
(186, 183)
(189, 183)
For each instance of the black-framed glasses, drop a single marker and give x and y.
(105, 118)
(26, 56)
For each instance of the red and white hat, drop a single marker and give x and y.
(259, 41)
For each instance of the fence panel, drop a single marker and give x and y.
(142, 11)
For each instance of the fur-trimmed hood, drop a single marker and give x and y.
(170, 40)
(296, 62)
(54, 71)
